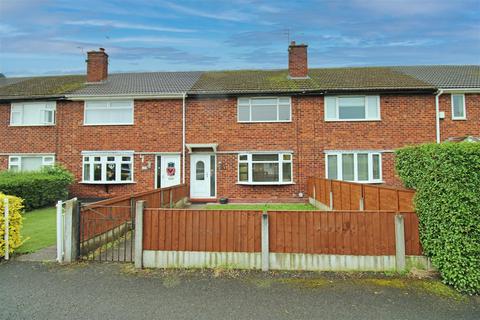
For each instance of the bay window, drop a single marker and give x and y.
(107, 168)
(354, 166)
(117, 112)
(30, 162)
(264, 109)
(352, 108)
(265, 168)
(32, 113)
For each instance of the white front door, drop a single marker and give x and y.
(202, 176)
(168, 170)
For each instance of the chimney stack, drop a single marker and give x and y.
(97, 65)
(297, 61)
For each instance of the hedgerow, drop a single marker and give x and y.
(37, 189)
(15, 208)
(446, 178)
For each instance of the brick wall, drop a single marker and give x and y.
(158, 128)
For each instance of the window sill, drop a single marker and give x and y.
(107, 182)
(459, 119)
(32, 125)
(272, 121)
(353, 120)
(107, 124)
(265, 183)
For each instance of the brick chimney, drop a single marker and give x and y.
(97, 65)
(297, 61)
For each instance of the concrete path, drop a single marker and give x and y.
(117, 291)
(45, 254)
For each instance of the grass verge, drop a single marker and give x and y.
(39, 230)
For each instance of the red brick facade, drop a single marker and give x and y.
(405, 119)
(297, 60)
(97, 66)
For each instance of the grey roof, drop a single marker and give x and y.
(141, 84)
(4, 81)
(445, 77)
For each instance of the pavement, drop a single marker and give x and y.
(45, 254)
(33, 290)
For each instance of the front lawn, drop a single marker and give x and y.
(269, 206)
(39, 230)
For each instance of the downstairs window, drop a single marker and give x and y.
(30, 162)
(354, 166)
(114, 168)
(265, 168)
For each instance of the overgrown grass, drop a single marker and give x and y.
(269, 206)
(39, 230)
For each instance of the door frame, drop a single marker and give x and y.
(162, 154)
(192, 155)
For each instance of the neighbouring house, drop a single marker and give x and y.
(249, 135)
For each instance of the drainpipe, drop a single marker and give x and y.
(437, 114)
(183, 137)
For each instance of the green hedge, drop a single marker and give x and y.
(447, 180)
(37, 189)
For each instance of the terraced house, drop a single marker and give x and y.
(249, 135)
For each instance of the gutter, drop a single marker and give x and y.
(437, 114)
(126, 96)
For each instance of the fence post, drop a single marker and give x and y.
(171, 198)
(139, 234)
(161, 198)
(60, 231)
(71, 234)
(6, 219)
(362, 205)
(331, 200)
(265, 249)
(399, 242)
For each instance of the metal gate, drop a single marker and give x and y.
(106, 233)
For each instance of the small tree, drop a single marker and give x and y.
(447, 181)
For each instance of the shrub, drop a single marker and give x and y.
(39, 188)
(447, 180)
(15, 223)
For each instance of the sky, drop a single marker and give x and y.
(45, 37)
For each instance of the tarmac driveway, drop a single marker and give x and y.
(33, 290)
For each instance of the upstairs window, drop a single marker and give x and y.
(107, 168)
(352, 108)
(264, 109)
(108, 112)
(354, 166)
(33, 113)
(30, 162)
(458, 107)
(265, 168)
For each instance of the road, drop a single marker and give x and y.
(33, 290)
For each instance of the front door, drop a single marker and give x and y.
(202, 176)
(168, 170)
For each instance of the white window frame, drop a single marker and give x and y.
(250, 162)
(44, 106)
(48, 160)
(108, 107)
(337, 109)
(340, 154)
(104, 161)
(261, 121)
(464, 117)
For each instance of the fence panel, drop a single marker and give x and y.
(202, 230)
(347, 195)
(336, 232)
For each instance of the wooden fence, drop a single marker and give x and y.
(343, 195)
(313, 232)
(102, 216)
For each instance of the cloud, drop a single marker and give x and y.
(406, 7)
(169, 54)
(124, 25)
(229, 15)
(9, 31)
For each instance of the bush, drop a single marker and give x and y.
(447, 180)
(15, 223)
(39, 188)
